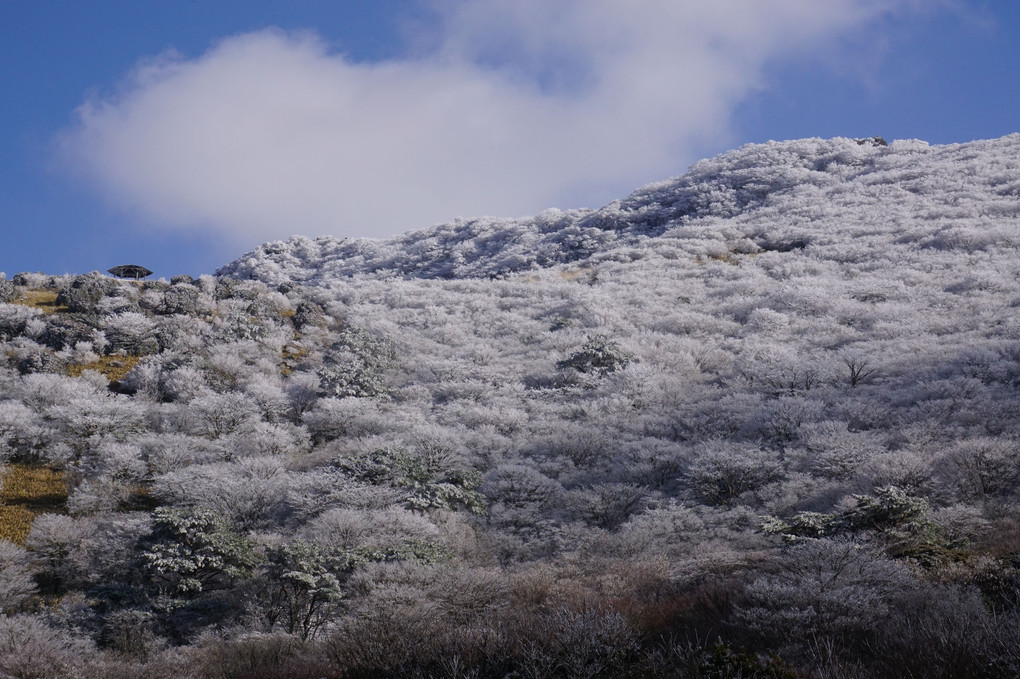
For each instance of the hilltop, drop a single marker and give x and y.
(887, 200)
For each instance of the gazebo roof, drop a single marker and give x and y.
(130, 271)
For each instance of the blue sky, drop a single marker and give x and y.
(178, 135)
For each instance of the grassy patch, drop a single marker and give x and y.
(115, 368)
(574, 274)
(45, 299)
(291, 356)
(28, 490)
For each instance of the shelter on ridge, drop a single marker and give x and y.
(130, 271)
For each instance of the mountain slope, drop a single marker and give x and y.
(768, 407)
(776, 196)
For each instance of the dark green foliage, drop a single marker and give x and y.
(428, 481)
(721, 661)
(191, 551)
(409, 549)
(598, 356)
(303, 586)
(901, 520)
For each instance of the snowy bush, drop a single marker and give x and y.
(598, 356)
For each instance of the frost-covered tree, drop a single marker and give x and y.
(354, 365)
(427, 481)
(302, 587)
(194, 551)
(53, 540)
(835, 590)
(17, 586)
(251, 492)
(29, 647)
(599, 355)
(720, 472)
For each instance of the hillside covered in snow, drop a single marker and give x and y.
(845, 198)
(759, 420)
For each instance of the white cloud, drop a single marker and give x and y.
(519, 105)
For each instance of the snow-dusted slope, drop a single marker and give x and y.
(779, 391)
(837, 199)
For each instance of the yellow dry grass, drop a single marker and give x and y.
(44, 298)
(574, 274)
(290, 357)
(28, 490)
(14, 523)
(113, 367)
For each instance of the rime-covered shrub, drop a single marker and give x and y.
(333, 418)
(370, 531)
(606, 505)
(836, 590)
(125, 299)
(87, 421)
(14, 318)
(192, 551)
(720, 473)
(8, 291)
(302, 586)
(98, 495)
(265, 439)
(269, 396)
(52, 541)
(250, 493)
(354, 365)
(106, 561)
(216, 415)
(178, 333)
(17, 586)
(21, 431)
(777, 421)
(179, 299)
(235, 323)
(834, 452)
(309, 313)
(599, 355)
(168, 452)
(983, 468)
(29, 647)
(132, 333)
(779, 369)
(662, 528)
(184, 383)
(426, 481)
(85, 292)
(64, 331)
(523, 500)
